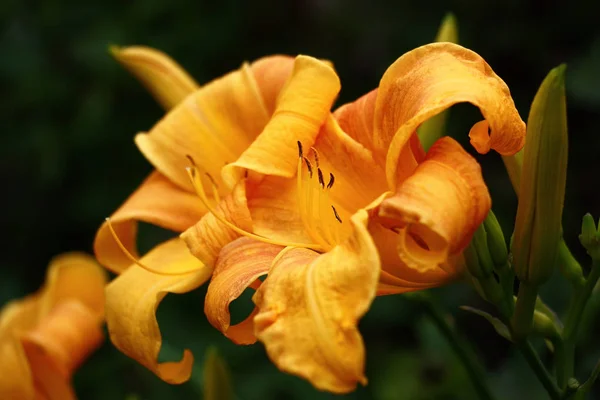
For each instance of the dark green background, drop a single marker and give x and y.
(69, 114)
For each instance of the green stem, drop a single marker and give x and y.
(540, 371)
(522, 321)
(574, 318)
(460, 347)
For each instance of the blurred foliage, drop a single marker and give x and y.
(69, 114)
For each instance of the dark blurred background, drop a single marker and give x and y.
(69, 113)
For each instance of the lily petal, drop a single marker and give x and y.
(273, 204)
(359, 178)
(302, 106)
(428, 80)
(163, 77)
(65, 337)
(75, 276)
(239, 266)
(437, 209)
(157, 201)
(214, 125)
(271, 74)
(309, 307)
(357, 119)
(207, 237)
(133, 297)
(16, 379)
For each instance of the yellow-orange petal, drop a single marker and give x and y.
(74, 277)
(239, 266)
(309, 307)
(206, 238)
(67, 335)
(131, 303)
(157, 201)
(48, 381)
(271, 74)
(302, 106)
(431, 78)
(273, 205)
(16, 380)
(436, 211)
(357, 119)
(163, 77)
(213, 125)
(359, 178)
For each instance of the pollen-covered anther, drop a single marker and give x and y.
(331, 181)
(335, 213)
(195, 178)
(321, 180)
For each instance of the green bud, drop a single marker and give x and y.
(495, 240)
(590, 236)
(542, 184)
(448, 31)
(217, 383)
(544, 326)
(569, 266)
(479, 243)
(435, 127)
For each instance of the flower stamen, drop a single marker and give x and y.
(138, 262)
(193, 173)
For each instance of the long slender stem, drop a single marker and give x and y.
(539, 369)
(459, 345)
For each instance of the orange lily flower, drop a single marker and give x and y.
(44, 337)
(212, 126)
(360, 210)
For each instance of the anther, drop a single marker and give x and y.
(308, 166)
(337, 216)
(316, 156)
(321, 180)
(300, 152)
(191, 159)
(214, 183)
(331, 181)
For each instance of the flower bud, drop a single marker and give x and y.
(495, 240)
(542, 184)
(590, 236)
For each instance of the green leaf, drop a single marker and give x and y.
(498, 325)
(217, 382)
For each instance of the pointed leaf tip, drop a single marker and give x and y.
(217, 382)
(448, 31)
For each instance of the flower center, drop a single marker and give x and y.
(319, 217)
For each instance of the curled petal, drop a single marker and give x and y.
(309, 307)
(431, 78)
(157, 201)
(240, 264)
(133, 297)
(214, 125)
(302, 106)
(436, 211)
(271, 74)
(75, 277)
(16, 379)
(163, 77)
(206, 238)
(66, 336)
